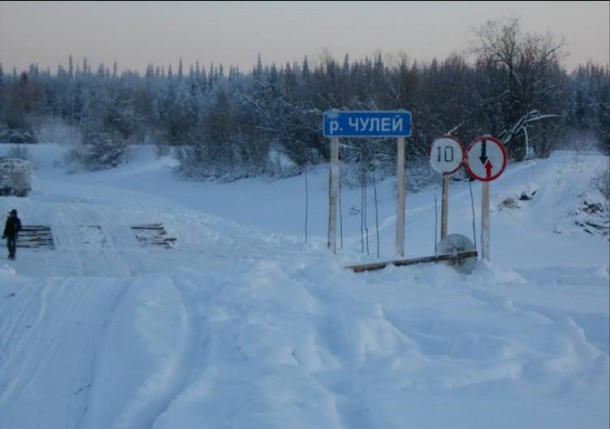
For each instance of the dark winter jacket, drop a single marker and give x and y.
(12, 227)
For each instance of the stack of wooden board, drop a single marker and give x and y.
(153, 235)
(35, 237)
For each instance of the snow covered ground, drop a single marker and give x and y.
(244, 324)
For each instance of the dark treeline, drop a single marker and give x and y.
(227, 123)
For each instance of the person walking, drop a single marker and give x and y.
(11, 230)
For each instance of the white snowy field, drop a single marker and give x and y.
(245, 325)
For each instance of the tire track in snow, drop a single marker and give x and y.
(51, 341)
(152, 340)
(194, 357)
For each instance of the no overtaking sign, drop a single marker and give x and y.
(486, 158)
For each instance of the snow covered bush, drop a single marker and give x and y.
(602, 181)
(101, 150)
(19, 152)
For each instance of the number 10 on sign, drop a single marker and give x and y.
(446, 155)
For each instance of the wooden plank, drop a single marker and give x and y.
(155, 240)
(155, 226)
(422, 260)
(30, 239)
(34, 239)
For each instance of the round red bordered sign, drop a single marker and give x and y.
(486, 158)
(446, 155)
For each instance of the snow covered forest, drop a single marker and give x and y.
(227, 124)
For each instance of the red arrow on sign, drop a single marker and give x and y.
(488, 167)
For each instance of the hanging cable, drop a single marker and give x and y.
(435, 224)
(341, 213)
(306, 202)
(376, 208)
(362, 208)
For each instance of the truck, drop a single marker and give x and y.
(15, 177)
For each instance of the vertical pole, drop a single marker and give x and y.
(333, 190)
(485, 222)
(400, 204)
(445, 206)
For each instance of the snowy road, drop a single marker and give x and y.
(238, 327)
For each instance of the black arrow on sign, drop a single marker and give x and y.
(483, 156)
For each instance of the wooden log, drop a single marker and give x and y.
(422, 260)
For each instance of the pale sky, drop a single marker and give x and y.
(135, 34)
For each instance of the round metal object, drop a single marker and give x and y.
(454, 244)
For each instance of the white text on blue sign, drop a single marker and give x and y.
(367, 124)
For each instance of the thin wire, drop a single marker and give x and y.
(376, 210)
(435, 224)
(341, 213)
(306, 203)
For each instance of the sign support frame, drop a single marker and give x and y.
(337, 123)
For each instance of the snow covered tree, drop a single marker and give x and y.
(525, 82)
(590, 103)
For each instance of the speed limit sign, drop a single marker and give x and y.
(446, 155)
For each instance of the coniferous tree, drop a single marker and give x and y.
(230, 124)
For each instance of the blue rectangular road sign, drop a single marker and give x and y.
(339, 123)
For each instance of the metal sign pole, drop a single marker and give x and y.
(400, 204)
(333, 190)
